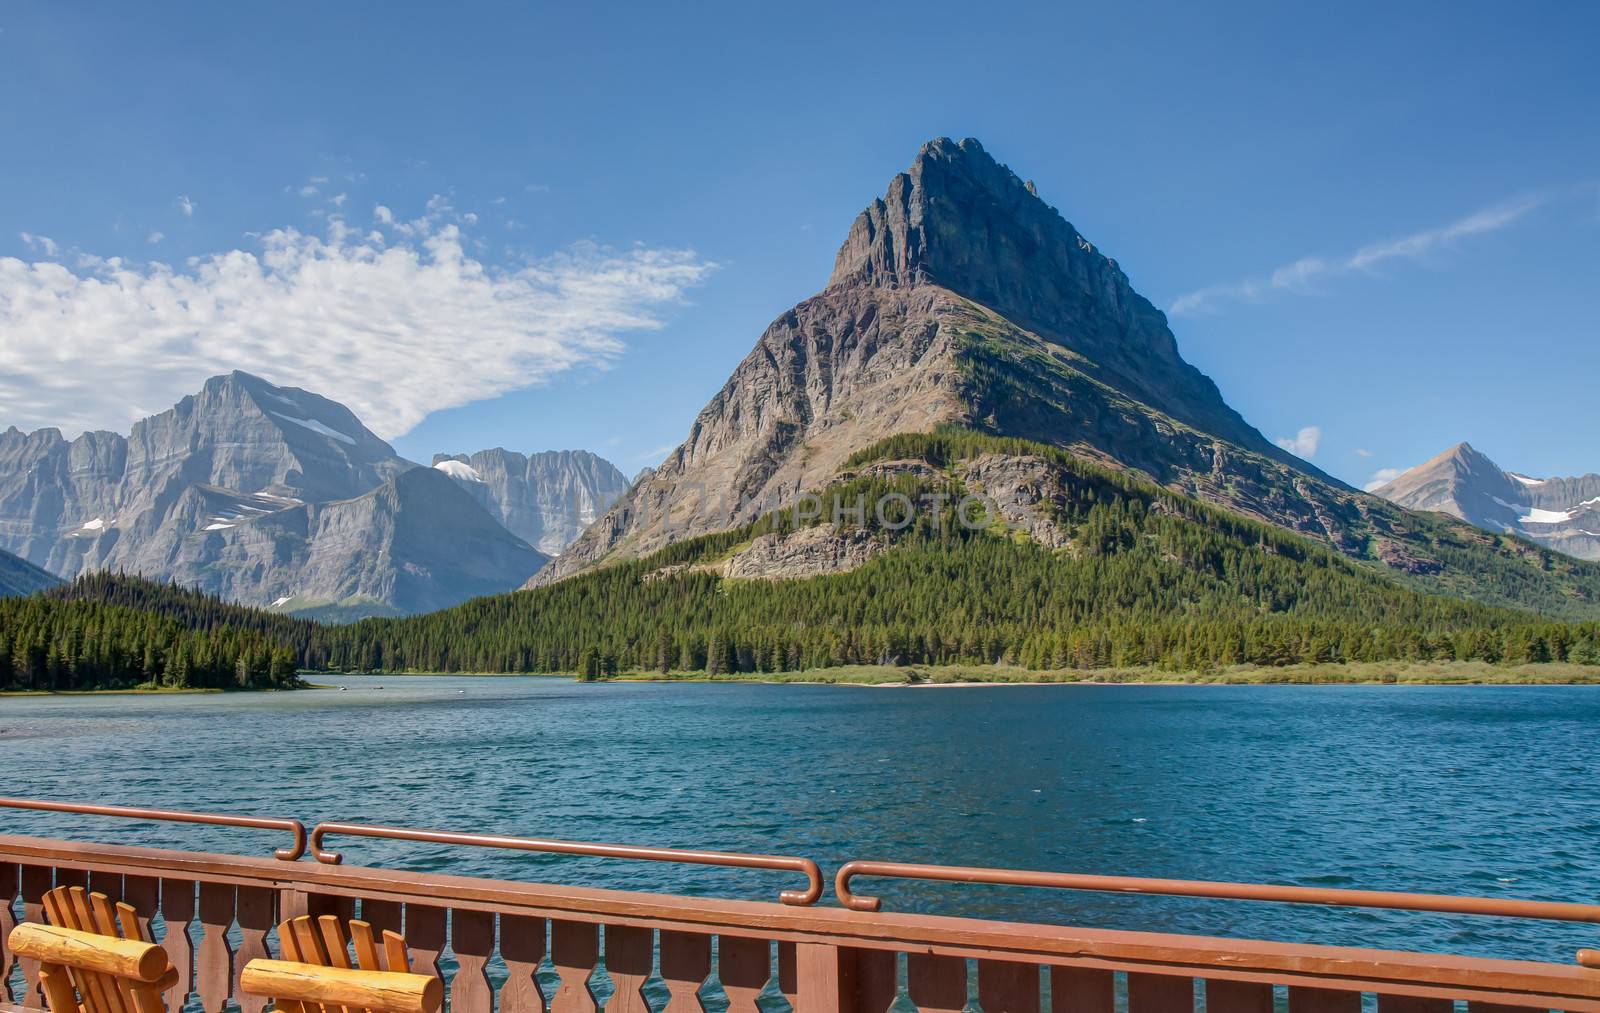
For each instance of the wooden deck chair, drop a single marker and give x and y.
(316, 974)
(86, 965)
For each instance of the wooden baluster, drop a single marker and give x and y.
(574, 949)
(1417, 1004)
(107, 883)
(36, 882)
(383, 915)
(628, 955)
(875, 980)
(1006, 987)
(1494, 1007)
(825, 978)
(1249, 997)
(744, 966)
(522, 949)
(213, 970)
(72, 877)
(685, 966)
(1160, 993)
(8, 921)
(256, 910)
(425, 936)
(143, 894)
(786, 974)
(472, 941)
(177, 909)
(937, 984)
(1323, 1000)
(1083, 990)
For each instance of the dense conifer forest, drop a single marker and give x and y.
(61, 644)
(1149, 579)
(1152, 579)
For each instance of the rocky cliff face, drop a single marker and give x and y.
(266, 495)
(960, 298)
(546, 499)
(1563, 513)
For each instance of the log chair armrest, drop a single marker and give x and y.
(122, 958)
(386, 991)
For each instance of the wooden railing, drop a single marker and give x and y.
(216, 912)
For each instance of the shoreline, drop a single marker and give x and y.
(1437, 673)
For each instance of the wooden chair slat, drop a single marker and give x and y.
(366, 947)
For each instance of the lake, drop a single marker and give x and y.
(1483, 790)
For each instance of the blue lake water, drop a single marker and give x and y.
(1483, 790)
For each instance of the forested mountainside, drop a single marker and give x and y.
(960, 298)
(1069, 564)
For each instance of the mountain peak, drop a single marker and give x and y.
(959, 220)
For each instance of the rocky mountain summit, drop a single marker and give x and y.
(1563, 513)
(961, 300)
(266, 495)
(546, 499)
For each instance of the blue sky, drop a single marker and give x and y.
(547, 226)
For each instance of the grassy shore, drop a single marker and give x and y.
(1432, 673)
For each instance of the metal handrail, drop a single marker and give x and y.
(293, 826)
(799, 898)
(1437, 903)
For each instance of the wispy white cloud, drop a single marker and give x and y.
(654, 454)
(309, 190)
(1381, 478)
(185, 205)
(1362, 452)
(1302, 444)
(155, 237)
(36, 242)
(1302, 276)
(396, 323)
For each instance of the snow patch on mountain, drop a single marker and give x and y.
(460, 470)
(317, 427)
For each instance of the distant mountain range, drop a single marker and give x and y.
(545, 499)
(275, 496)
(1563, 513)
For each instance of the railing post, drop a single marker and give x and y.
(825, 979)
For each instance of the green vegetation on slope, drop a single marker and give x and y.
(1024, 386)
(1150, 579)
(54, 644)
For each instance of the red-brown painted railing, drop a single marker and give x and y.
(821, 959)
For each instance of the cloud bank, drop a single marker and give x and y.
(1302, 275)
(1302, 444)
(397, 322)
(1381, 478)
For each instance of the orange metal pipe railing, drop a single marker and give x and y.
(1430, 902)
(293, 826)
(805, 866)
